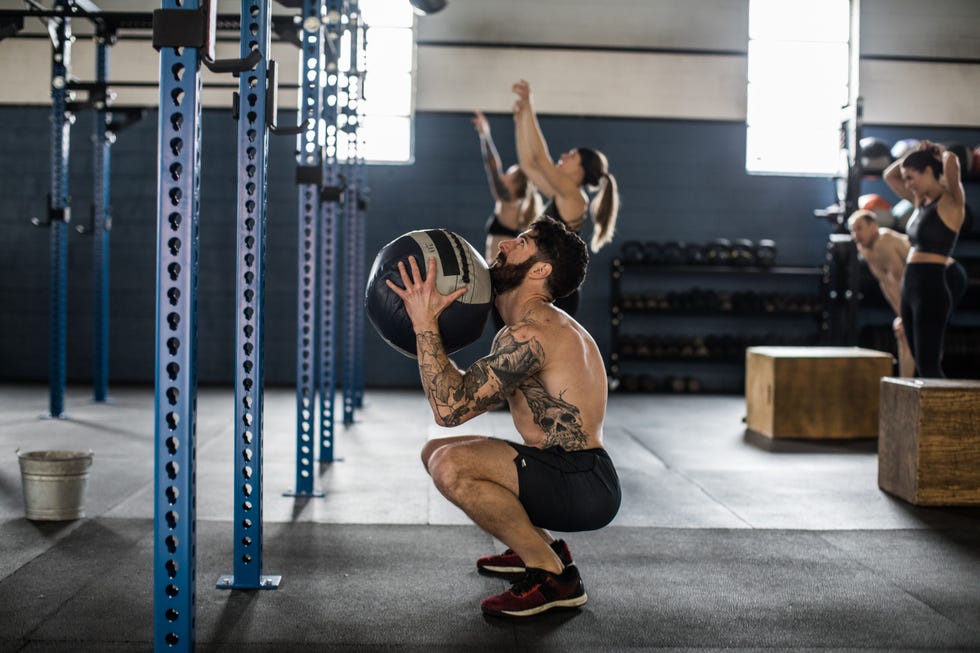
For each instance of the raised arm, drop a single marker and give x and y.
(456, 396)
(951, 172)
(491, 160)
(532, 151)
(893, 177)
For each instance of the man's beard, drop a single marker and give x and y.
(505, 277)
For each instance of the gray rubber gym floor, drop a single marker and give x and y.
(721, 543)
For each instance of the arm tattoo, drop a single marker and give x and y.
(456, 397)
(560, 420)
(500, 189)
(491, 161)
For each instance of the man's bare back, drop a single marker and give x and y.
(564, 402)
(886, 260)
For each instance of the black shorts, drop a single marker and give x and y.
(567, 490)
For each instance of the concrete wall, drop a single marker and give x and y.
(656, 84)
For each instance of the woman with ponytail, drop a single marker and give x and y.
(567, 183)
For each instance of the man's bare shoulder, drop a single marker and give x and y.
(891, 234)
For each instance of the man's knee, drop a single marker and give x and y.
(444, 466)
(428, 449)
(898, 328)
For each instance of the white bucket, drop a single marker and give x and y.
(54, 483)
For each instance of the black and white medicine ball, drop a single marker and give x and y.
(458, 264)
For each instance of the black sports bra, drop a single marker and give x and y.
(494, 228)
(551, 210)
(928, 233)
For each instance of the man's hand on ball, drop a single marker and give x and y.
(423, 302)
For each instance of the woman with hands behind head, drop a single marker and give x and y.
(565, 183)
(929, 177)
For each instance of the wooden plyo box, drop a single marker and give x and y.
(814, 393)
(929, 441)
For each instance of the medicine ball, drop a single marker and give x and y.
(902, 212)
(458, 264)
(428, 7)
(963, 154)
(903, 147)
(875, 155)
(881, 208)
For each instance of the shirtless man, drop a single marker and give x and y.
(549, 370)
(885, 251)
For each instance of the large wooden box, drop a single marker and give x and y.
(929, 441)
(814, 392)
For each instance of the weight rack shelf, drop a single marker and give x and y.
(719, 269)
(648, 280)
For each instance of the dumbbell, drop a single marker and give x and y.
(765, 253)
(719, 252)
(673, 253)
(743, 252)
(654, 251)
(694, 254)
(726, 301)
(630, 383)
(633, 251)
(627, 345)
(649, 383)
(676, 384)
(700, 347)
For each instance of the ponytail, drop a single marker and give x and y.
(604, 208)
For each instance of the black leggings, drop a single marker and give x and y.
(926, 305)
(957, 282)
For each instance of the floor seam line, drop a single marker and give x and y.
(684, 476)
(890, 581)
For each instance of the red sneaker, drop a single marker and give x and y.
(537, 592)
(509, 562)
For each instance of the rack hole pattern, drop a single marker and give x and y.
(177, 281)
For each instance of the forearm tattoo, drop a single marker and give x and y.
(503, 193)
(560, 420)
(455, 396)
(492, 163)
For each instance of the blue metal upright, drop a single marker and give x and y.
(360, 223)
(253, 149)
(58, 212)
(328, 246)
(101, 224)
(309, 159)
(350, 124)
(360, 271)
(178, 209)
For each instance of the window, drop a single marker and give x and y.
(387, 101)
(798, 65)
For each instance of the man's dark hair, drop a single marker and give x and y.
(565, 251)
(920, 160)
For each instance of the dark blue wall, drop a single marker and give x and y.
(679, 180)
